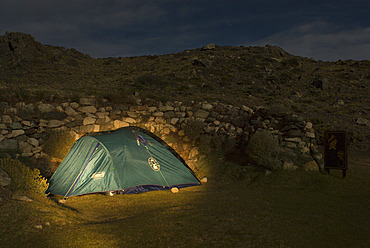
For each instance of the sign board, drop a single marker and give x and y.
(335, 151)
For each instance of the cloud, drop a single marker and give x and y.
(323, 41)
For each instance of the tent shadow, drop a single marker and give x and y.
(56, 200)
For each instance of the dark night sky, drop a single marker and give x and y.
(326, 30)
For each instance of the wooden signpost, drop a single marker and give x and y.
(335, 151)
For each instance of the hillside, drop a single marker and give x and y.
(334, 95)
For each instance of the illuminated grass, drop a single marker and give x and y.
(290, 209)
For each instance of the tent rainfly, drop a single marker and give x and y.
(131, 160)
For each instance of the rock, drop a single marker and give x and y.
(55, 123)
(247, 109)
(87, 109)
(207, 106)
(308, 125)
(7, 119)
(202, 62)
(174, 190)
(1, 137)
(65, 105)
(310, 135)
(152, 109)
(29, 108)
(86, 129)
(89, 120)
(296, 140)
(160, 120)
(9, 144)
(181, 133)
(133, 114)
(27, 123)
(321, 83)
(305, 150)
(174, 121)
(87, 101)
(62, 201)
(21, 198)
(166, 131)
(294, 133)
(16, 133)
(43, 123)
(268, 172)
(363, 121)
(15, 125)
(193, 152)
(119, 124)
(275, 51)
(59, 109)
(116, 112)
(158, 114)
(210, 46)
(129, 120)
(290, 144)
(201, 114)
(25, 147)
(288, 165)
(54, 115)
(340, 102)
(38, 227)
(311, 166)
(104, 120)
(44, 108)
(74, 105)
(100, 115)
(96, 128)
(166, 108)
(204, 180)
(5, 180)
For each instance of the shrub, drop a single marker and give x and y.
(263, 150)
(45, 165)
(211, 143)
(58, 143)
(23, 178)
(193, 129)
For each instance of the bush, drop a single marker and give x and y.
(45, 165)
(263, 150)
(193, 129)
(58, 143)
(212, 143)
(23, 178)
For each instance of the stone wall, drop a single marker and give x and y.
(22, 126)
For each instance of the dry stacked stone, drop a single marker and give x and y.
(22, 126)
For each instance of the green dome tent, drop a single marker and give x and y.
(130, 160)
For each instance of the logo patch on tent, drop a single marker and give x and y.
(98, 175)
(154, 164)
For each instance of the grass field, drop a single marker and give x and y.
(286, 209)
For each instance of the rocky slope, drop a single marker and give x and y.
(333, 95)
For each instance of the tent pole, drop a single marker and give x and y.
(79, 175)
